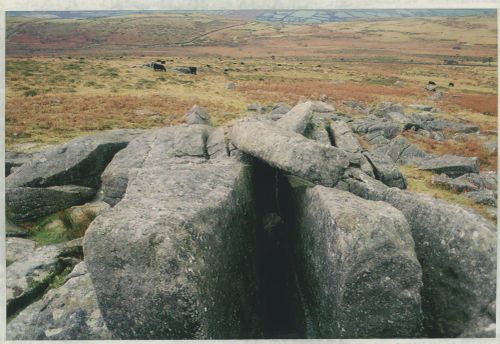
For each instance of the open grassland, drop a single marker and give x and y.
(53, 99)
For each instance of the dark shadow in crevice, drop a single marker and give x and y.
(280, 308)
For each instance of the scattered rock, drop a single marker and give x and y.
(381, 109)
(320, 106)
(280, 109)
(385, 170)
(453, 184)
(256, 107)
(486, 197)
(454, 126)
(430, 87)
(483, 180)
(197, 115)
(26, 203)
(438, 95)
(344, 138)
(69, 312)
(421, 107)
(451, 165)
(230, 85)
(402, 152)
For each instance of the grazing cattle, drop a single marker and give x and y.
(451, 84)
(159, 67)
(192, 70)
(431, 83)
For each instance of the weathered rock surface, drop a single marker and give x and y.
(385, 170)
(78, 162)
(444, 124)
(456, 249)
(293, 153)
(15, 159)
(486, 197)
(360, 274)
(344, 138)
(451, 165)
(184, 140)
(69, 312)
(173, 258)
(482, 180)
(29, 276)
(13, 230)
(318, 130)
(197, 115)
(18, 248)
(29, 203)
(403, 152)
(298, 118)
(454, 184)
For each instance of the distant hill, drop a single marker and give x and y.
(286, 16)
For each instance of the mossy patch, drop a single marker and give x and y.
(51, 229)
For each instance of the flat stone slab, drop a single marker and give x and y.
(29, 203)
(344, 138)
(386, 170)
(69, 312)
(357, 266)
(290, 152)
(451, 165)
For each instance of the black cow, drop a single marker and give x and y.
(192, 70)
(451, 84)
(431, 83)
(159, 67)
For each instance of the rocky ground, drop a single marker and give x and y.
(289, 223)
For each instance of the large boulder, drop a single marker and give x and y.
(290, 152)
(357, 266)
(451, 165)
(173, 259)
(29, 203)
(183, 140)
(29, 276)
(69, 312)
(457, 251)
(78, 162)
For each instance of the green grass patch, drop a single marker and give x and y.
(50, 229)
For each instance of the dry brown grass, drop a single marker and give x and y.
(470, 147)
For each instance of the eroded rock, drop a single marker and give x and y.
(69, 312)
(451, 165)
(289, 151)
(29, 203)
(358, 269)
